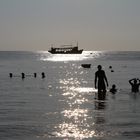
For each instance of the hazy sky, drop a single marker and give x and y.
(95, 24)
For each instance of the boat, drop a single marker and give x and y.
(86, 65)
(66, 49)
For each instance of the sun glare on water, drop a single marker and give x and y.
(78, 118)
(45, 56)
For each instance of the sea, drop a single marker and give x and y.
(64, 105)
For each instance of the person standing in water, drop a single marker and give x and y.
(135, 83)
(101, 78)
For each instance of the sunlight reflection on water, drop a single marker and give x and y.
(82, 116)
(45, 56)
(76, 123)
(74, 131)
(84, 89)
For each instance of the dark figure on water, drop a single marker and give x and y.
(10, 75)
(35, 75)
(22, 75)
(135, 83)
(101, 78)
(113, 90)
(43, 75)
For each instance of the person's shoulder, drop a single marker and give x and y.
(96, 72)
(102, 71)
(113, 90)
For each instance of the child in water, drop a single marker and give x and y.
(113, 90)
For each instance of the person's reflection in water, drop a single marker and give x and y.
(100, 106)
(100, 103)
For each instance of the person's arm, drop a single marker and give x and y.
(106, 79)
(138, 81)
(95, 81)
(130, 81)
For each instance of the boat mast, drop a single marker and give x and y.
(77, 44)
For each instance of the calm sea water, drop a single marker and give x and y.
(63, 106)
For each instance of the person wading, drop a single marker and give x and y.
(101, 79)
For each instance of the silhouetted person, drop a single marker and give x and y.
(43, 75)
(113, 90)
(112, 70)
(10, 75)
(22, 75)
(135, 83)
(101, 78)
(110, 67)
(35, 75)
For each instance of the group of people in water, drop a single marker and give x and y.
(23, 75)
(101, 83)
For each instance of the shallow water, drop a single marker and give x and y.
(64, 105)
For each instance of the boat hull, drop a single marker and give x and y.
(66, 52)
(86, 65)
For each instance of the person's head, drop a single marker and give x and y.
(135, 81)
(99, 67)
(113, 86)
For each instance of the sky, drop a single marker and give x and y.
(33, 25)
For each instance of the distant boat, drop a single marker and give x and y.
(66, 49)
(86, 65)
